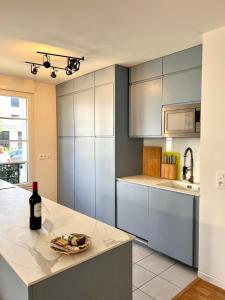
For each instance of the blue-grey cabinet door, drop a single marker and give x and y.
(182, 87)
(145, 108)
(105, 180)
(147, 70)
(104, 110)
(85, 175)
(66, 171)
(171, 224)
(183, 60)
(84, 113)
(105, 75)
(84, 82)
(132, 208)
(65, 121)
(66, 87)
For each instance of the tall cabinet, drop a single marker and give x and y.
(93, 143)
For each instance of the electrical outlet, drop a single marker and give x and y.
(44, 156)
(220, 180)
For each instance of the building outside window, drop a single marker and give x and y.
(13, 139)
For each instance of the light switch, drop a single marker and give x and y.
(220, 180)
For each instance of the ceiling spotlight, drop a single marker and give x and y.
(46, 61)
(73, 64)
(77, 66)
(34, 69)
(53, 73)
(69, 71)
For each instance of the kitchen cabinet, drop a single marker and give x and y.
(106, 75)
(132, 209)
(65, 88)
(104, 110)
(147, 70)
(84, 82)
(84, 113)
(182, 87)
(183, 60)
(85, 175)
(105, 180)
(95, 116)
(66, 171)
(65, 121)
(171, 224)
(145, 109)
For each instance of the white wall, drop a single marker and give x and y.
(179, 145)
(42, 130)
(212, 202)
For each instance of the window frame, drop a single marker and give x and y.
(29, 138)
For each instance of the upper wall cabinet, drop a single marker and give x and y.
(104, 110)
(65, 121)
(84, 82)
(146, 70)
(105, 75)
(182, 87)
(145, 108)
(65, 87)
(183, 60)
(84, 113)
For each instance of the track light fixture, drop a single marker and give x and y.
(46, 61)
(68, 71)
(34, 69)
(73, 64)
(53, 73)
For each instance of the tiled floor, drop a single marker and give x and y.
(156, 276)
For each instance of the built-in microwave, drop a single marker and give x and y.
(181, 120)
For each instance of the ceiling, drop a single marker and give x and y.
(106, 32)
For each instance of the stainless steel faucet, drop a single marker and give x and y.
(190, 168)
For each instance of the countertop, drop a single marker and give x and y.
(5, 185)
(28, 252)
(154, 182)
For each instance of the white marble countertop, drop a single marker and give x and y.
(5, 185)
(28, 252)
(154, 182)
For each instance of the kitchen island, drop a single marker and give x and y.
(31, 270)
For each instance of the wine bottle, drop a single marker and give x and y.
(35, 208)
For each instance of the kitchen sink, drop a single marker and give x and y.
(180, 185)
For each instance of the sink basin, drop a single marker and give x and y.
(180, 185)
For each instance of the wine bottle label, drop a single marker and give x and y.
(37, 210)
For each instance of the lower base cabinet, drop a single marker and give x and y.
(171, 224)
(167, 220)
(132, 208)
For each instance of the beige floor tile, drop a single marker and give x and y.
(160, 289)
(139, 295)
(179, 275)
(140, 252)
(156, 263)
(141, 275)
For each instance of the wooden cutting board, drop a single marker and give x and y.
(152, 157)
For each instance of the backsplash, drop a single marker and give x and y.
(179, 145)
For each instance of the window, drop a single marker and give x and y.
(15, 102)
(13, 139)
